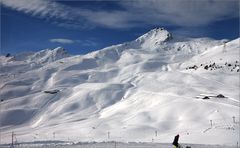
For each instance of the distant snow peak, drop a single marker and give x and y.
(51, 54)
(43, 56)
(60, 51)
(154, 37)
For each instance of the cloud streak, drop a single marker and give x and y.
(86, 42)
(184, 13)
(62, 41)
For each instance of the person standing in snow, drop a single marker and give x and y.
(175, 142)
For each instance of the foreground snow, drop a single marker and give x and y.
(150, 88)
(110, 145)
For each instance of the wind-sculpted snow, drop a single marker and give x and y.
(83, 65)
(149, 89)
(16, 117)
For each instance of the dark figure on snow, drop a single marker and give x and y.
(175, 142)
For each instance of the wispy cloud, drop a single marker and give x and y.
(136, 13)
(62, 41)
(183, 12)
(55, 12)
(85, 42)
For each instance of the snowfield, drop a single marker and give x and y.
(146, 90)
(111, 145)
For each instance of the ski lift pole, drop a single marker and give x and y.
(234, 121)
(12, 139)
(224, 46)
(54, 135)
(1, 122)
(108, 135)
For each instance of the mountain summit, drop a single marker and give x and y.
(154, 37)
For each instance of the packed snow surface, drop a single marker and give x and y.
(149, 89)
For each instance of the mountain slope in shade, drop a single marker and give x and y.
(154, 84)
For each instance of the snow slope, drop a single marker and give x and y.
(141, 90)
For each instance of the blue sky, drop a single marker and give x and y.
(85, 26)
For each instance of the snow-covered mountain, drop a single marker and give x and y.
(23, 62)
(148, 89)
(43, 56)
